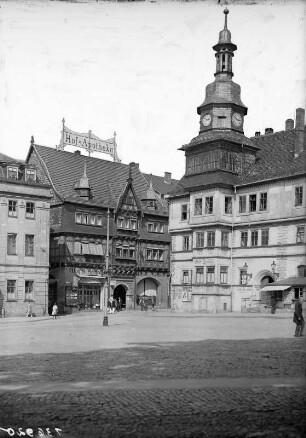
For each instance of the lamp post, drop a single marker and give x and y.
(106, 293)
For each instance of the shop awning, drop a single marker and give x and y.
(272, 288)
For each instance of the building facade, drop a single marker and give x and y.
(237, 217)
(24, 239)
(109, 230)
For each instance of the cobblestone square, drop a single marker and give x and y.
(152, 374)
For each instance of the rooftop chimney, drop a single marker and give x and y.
(268, 131)
(289, 124)
(299, 128)
(167, 177)
(257, 133)
(77, 152)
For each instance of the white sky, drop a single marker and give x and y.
(141, 69)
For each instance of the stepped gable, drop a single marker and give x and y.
(275, 158)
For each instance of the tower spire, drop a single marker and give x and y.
(225, 12)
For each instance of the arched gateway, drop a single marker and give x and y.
(120, 291)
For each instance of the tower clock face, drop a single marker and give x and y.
(206, 119)
(237, 119)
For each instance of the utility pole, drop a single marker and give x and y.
(107, 286)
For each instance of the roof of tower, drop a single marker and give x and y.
(225, 36)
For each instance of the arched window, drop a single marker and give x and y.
(302, 271)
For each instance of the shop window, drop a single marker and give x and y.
(223, 274)
(200, 275)
(252, 202)
(30, 210)
(11, 243)
(12, 208)
(200, 240)
(228, 207)
(198, 206)
(29, 244)
(254, 238)
(210, 274)
(210, 238)
(265, 237)
(263, 201)
(186, 243)
(298, 196)
(11, 290)
(242, 204)
(224, 239)
(29, 290)
(209, 205)
(244, 238)
(300, 234)
(184, 212)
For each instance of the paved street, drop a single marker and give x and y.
(153, 374)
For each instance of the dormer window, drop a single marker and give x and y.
(12, 172)
(30, 175)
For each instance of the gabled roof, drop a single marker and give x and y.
(8, 160)
(107, 179)
(275, 158)
(160, 184)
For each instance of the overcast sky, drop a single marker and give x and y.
(140, 69)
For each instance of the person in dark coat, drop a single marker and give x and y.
(273, 304)
(298, 318)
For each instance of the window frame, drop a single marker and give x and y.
(254, 238)
(30, 174)
(242, 203)
(200, 239)
(29, 246)
(12, 172)
(30, 210)
(300, 234)
(12, 208)
(13, 283)
(210, 274)
(184, 212)
(224, 242)
(198, 206)
(228, 205)
(185, 276)
(252, 202)
(209, 205)
(265, 237)
(211, 239)
(244, 237)
(223, 274)
(263, 201)
(199, 275)
(298, 197)
(30, 294)
(186, 243)
(14, 251)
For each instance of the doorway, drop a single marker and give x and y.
(120, 292)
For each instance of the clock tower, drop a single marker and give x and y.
(222, 107)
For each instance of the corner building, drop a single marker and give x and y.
(237, 217)
(92, 198)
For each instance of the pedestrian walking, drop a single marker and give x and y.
(119, 304)
(273, 304)
(29, 313)
(54, 310)
(298, 318)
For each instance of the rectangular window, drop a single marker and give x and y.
(134, 224)
(120, 222)
(254, 238)
(228, 206)
(29, 244)
(118, 252)
(30, 175)
(161, 228)
(132, 253)
(265, 237)
(127, 223)
(12, 208)
(92, 219)
(77, 248)
(186, 242)
(85, 218)
(223, 274)
(149, 254)
(242, 204)
(12, 172)
(150, 227)
(298, 196)
(161, 255)
(298, 293)
(184, 212)
(200, 240)
(210, 274)
(198, 206)
(78, 218)
(125, 252)
(185, 277)
(29, 290)
(11, 243)
(200, 275)
(211, 238)
(224, 239)
(252, 202)
(30, 210)
(11, 289)
(155, 227)
(300, 232)
(302, 271)
(99, 221)
(244, 238)
(209, 205)
(243, 276)
(263, 201)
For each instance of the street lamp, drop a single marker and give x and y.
(107, 286)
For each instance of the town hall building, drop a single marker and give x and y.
(237, 217)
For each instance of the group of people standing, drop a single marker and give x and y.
(114, 305)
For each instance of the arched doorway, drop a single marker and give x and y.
(120, 291)
(148, 289)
